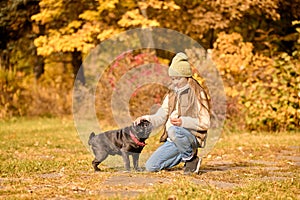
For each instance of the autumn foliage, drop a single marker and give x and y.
(255, 45)
(266, 90)
(143, 98)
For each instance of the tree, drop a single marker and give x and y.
(78, 26)
(248, 38)
(17, 34)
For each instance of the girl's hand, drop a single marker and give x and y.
(176, 121)
(138, 120)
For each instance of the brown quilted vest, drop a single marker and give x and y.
(188, 106)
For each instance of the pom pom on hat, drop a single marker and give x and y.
(180, 66)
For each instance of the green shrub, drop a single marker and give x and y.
(13, 97)
(23, 95)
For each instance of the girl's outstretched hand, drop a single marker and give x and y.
(138, 120)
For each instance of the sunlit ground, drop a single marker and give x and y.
(44, 158)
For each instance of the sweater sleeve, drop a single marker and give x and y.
(160, 117)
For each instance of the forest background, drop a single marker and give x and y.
(255, 45)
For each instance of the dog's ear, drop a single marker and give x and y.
(135, 124)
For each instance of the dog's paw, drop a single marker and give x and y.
(96, 169)
(139, 169)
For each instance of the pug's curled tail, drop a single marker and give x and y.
(91, 137)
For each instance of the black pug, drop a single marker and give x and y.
(127, 141)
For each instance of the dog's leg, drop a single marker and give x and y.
(99, 157)
(95, 164)
(135, 159)
(126, 160)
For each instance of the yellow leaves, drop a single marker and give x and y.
(43, 17)
(297, 22)
(40, 43)
(156, 4)
(262, 62)
(74, 24)
(71, 27)
(266, 89)
(231, 53)
(232, 92)
(233, 9)
(248, 104)
(50, 9)
(134, 18)
(268, 7)
(208, 19)
(107, 34)
(82, 40)
(89, 15)
(51, 3)
(170, 5)
(152, 3)
(95, 15)
(106, 5)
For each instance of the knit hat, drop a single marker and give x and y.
(180, 66)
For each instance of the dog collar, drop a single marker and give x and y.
(142, 144)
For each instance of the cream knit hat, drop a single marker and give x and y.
(180, 66)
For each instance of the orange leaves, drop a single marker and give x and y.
(233, 9)
(264, 88)
(269, 7)
(244, 54)
(231, 54)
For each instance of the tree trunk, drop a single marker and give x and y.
(39, 67)
(78, 67)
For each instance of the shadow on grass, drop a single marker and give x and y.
(224, 166)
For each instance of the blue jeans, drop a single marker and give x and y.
(182, 147)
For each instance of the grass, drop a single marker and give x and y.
(43, 158)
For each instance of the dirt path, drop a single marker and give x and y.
(213, 173)
(219, 173)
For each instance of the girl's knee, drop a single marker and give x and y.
(172, 133)
(175, 132)
(152, 167)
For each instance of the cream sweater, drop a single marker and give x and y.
(202, 122)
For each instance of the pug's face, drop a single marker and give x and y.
(143, 129)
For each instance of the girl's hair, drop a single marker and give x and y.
(198, 88)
